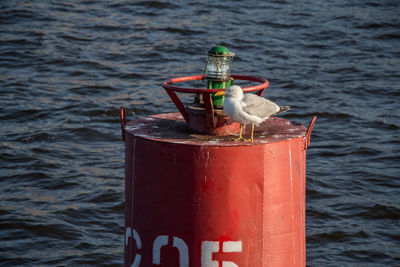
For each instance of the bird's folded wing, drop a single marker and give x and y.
(258, 106)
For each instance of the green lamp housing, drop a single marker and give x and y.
(217, 71)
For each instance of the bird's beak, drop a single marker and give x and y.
(220, 93)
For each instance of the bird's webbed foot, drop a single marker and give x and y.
(242, 128)
(251, 139)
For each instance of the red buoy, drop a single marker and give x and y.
(204, 200)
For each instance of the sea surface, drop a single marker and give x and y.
(66, 67)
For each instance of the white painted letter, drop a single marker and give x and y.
(207, 250)
(160, 241)
(210, 247)
(132, 233)
(178, 243)
(232, 246)
(183, 251)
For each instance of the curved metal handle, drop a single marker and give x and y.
(123, 122)
(308, 132)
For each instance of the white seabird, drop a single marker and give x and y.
(248, 108)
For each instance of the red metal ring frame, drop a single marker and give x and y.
(209, 110)
(167, 84)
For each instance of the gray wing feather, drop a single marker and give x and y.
(259, 106)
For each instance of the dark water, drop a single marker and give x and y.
(67, 66)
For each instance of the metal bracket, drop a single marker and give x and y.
(210, 120)
(123, 122)
(308, 132)
(209, 116)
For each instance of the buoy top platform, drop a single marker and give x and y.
(172, 128)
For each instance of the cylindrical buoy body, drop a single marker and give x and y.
(195, 200)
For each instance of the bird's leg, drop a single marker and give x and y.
(252, 134)
(240, 134)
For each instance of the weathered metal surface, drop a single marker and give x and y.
(171, 127)
(197, 200)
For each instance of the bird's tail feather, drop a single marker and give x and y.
(283, 109)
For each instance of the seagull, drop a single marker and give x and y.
(248, 108)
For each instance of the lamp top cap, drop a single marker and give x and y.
(220, 51)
